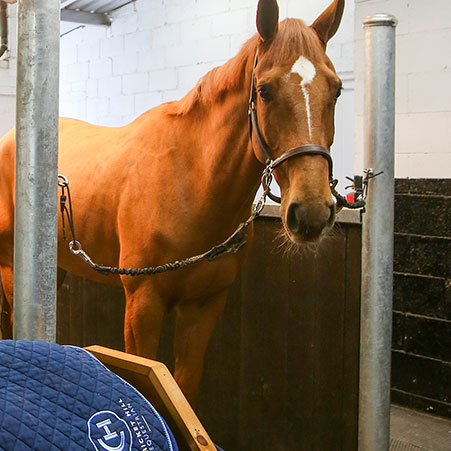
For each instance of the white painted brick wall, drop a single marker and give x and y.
(423, 81)
(163, 80)
(91, 88)
(144, 102)
(8, 76)
(188, 75)
(101, 68)
(127, 63)
(135, 83)
(87, 51)
(109, 87)
(112, 46)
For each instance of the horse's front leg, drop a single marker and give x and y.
(195, 323)
(6, 300)
(144, 314)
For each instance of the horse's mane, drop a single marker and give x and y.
(294, 38)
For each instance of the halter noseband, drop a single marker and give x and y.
(307, 149)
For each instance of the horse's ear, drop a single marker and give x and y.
(328, 22)
(267, 19)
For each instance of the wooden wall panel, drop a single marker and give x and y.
(90, 313)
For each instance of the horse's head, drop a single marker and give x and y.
(295, 91)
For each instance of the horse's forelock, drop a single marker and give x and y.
(294, 39)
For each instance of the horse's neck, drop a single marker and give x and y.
(231, 169)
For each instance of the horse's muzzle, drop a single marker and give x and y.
(307, 222)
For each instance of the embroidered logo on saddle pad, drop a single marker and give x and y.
(107, 432)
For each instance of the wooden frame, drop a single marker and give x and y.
(156, 383)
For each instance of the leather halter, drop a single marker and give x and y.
(307, 149)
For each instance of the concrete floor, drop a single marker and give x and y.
(417, 431)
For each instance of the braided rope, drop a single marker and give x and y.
(231, 245)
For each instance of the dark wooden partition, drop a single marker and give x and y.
(282, 369)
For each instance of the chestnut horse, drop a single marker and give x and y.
(182, 176)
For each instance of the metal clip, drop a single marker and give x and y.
(65, 181)
(369, 174)
(76, 251)
(81, 253)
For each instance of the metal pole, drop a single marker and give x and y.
(377, 238)
(35, 226)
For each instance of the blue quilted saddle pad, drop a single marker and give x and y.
(62, 398)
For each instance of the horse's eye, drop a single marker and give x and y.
(338, 94)
(264, 92)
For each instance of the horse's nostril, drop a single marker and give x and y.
(292, 217)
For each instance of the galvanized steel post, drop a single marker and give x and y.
(377, 238)
(35, 227)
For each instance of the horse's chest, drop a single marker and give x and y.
(204, 280)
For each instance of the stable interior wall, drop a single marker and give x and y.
(423, 80)
(8, 76)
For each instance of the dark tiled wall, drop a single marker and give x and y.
(421, 369)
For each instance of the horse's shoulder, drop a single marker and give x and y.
(8, 137)
(7, 154)
(7, 145)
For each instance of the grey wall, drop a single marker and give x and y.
(423, 94)
(421, 372)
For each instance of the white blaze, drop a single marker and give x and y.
(307, 72)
